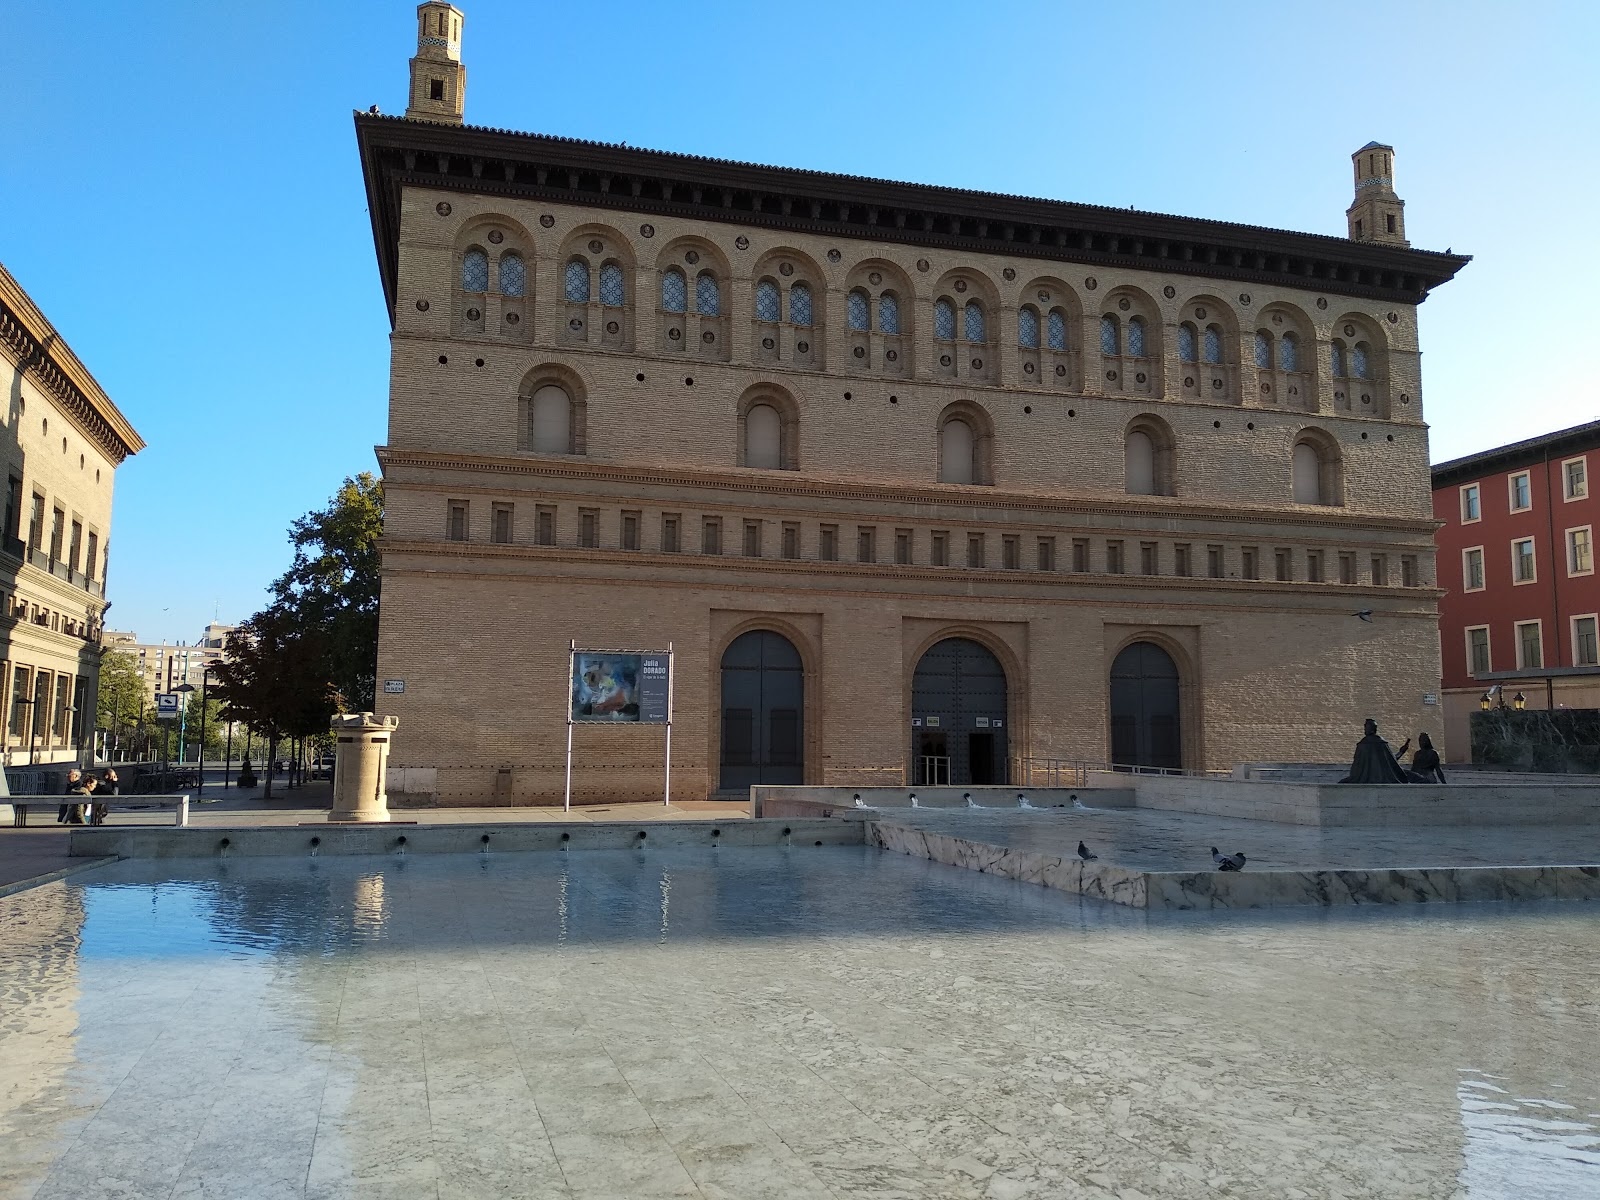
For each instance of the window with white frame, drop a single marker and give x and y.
(1580, 551)
(1472, 569)
(1530, 645)
(1478, 650)
(1522, 561)
(1586, 641)
(1521, 492)
(1575, 478)
(1470, 509)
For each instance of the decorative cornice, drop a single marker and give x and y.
(397, 152)
(981, 499)
(33, 344)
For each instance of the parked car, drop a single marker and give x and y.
(323, 767)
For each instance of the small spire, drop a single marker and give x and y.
(438, 78)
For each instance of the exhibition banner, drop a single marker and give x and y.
(620, 687)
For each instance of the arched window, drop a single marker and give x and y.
(1188, 344)
(1289, 353)
(944, 321)
(674, 291)
(1338, 359)
(799, 304)
(767, 307)
(1055, 330)
(1135, 337)
(552, 421)
(612, 292)
(1263, 350)
(513, 274)
(1140, 464)
(763, 438)
(972, 322)
(888, 314)
(858, 311)
(1307, 474)
(1028, 327)
(1360, 361)
(1213, 344)
(475, 271)
(1110, 336)
(707, 295)
(577, 282)
(957, 452)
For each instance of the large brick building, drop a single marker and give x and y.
(1521, 604)
(919, 482)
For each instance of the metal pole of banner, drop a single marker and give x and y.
(572, 654)
(666, 787)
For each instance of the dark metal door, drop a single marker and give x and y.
(1145, 727)
(958, 698)
(763, 706)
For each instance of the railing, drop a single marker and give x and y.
(933, 770)
(1075, 772)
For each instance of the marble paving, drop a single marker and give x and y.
(757, 1023)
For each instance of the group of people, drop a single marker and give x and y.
(85, 788)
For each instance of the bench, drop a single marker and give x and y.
(20, 805)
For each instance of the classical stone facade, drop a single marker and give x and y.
(919, 483)
(63, 440)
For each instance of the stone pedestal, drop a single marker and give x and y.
(362, 748)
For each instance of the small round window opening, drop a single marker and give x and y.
(443, 359)
(688, 381)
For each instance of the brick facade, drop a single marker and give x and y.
(1272, 662)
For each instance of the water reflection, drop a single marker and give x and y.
(1527, 1147)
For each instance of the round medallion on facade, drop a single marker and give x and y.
(1188, 381)
(708, 337)
(474, 314)
(1338, 397)
(742, 242)
(1200, 313)
(961, 285)
(596, 245)
(1404, 399)
(1294, 390)
(613, 327)
(1365, 398)
(785, 268)
(860, 351)
(1044, 296)
(1139, 378)
(834, 256)
(1111, 375)
(768, 344)
(892, 355)
(1061, 369)
(1322, 302)
(674, 334)
(422, 306)
(1027, 368)
(1277, 318)
(1349, 331)
(1008, 274)
(803, 347)
(496, 236)
(692, 257)
(547, 220)
(875, 278)
(647, 230)
(1169, 291)
(442, 208)
(922, 264)
(575, 324)
(977, 364)
(512, 318)
(944, 360)
(1125, 304)
(1216, 385)
(1394, 318)
(1244, 297)
(1091, 283)
(1266, 388)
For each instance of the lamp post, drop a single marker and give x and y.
(1485, 702)
(227, 758)
(183, 716)
(205, 679)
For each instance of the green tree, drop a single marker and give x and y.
(332, 585)
(121, 691)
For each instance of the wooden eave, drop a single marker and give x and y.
(397, 152)
(32, 343)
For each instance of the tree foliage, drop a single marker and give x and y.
(121, 690)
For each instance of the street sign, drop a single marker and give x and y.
(394, 686)
(167, 706)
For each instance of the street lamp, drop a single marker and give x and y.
(205, 679)
(1519, 702)
(183, 716)
(1486, 702)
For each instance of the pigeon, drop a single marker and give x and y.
(1365, 614)
(373, 110)
(1086, 854)
(1227, 862)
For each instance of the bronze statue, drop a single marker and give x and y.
(1374, 762)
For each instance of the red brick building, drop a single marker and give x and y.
(1521, 604)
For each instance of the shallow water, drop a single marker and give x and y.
(729, 1023)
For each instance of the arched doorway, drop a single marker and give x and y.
(1145, 728)
(763, 703)
(958, 712)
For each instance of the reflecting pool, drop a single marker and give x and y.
(774, 1023)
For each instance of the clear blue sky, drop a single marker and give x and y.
(182, 196)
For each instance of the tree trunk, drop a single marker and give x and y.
(272, 761)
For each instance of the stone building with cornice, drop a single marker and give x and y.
(63, 440)
(921, 484)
